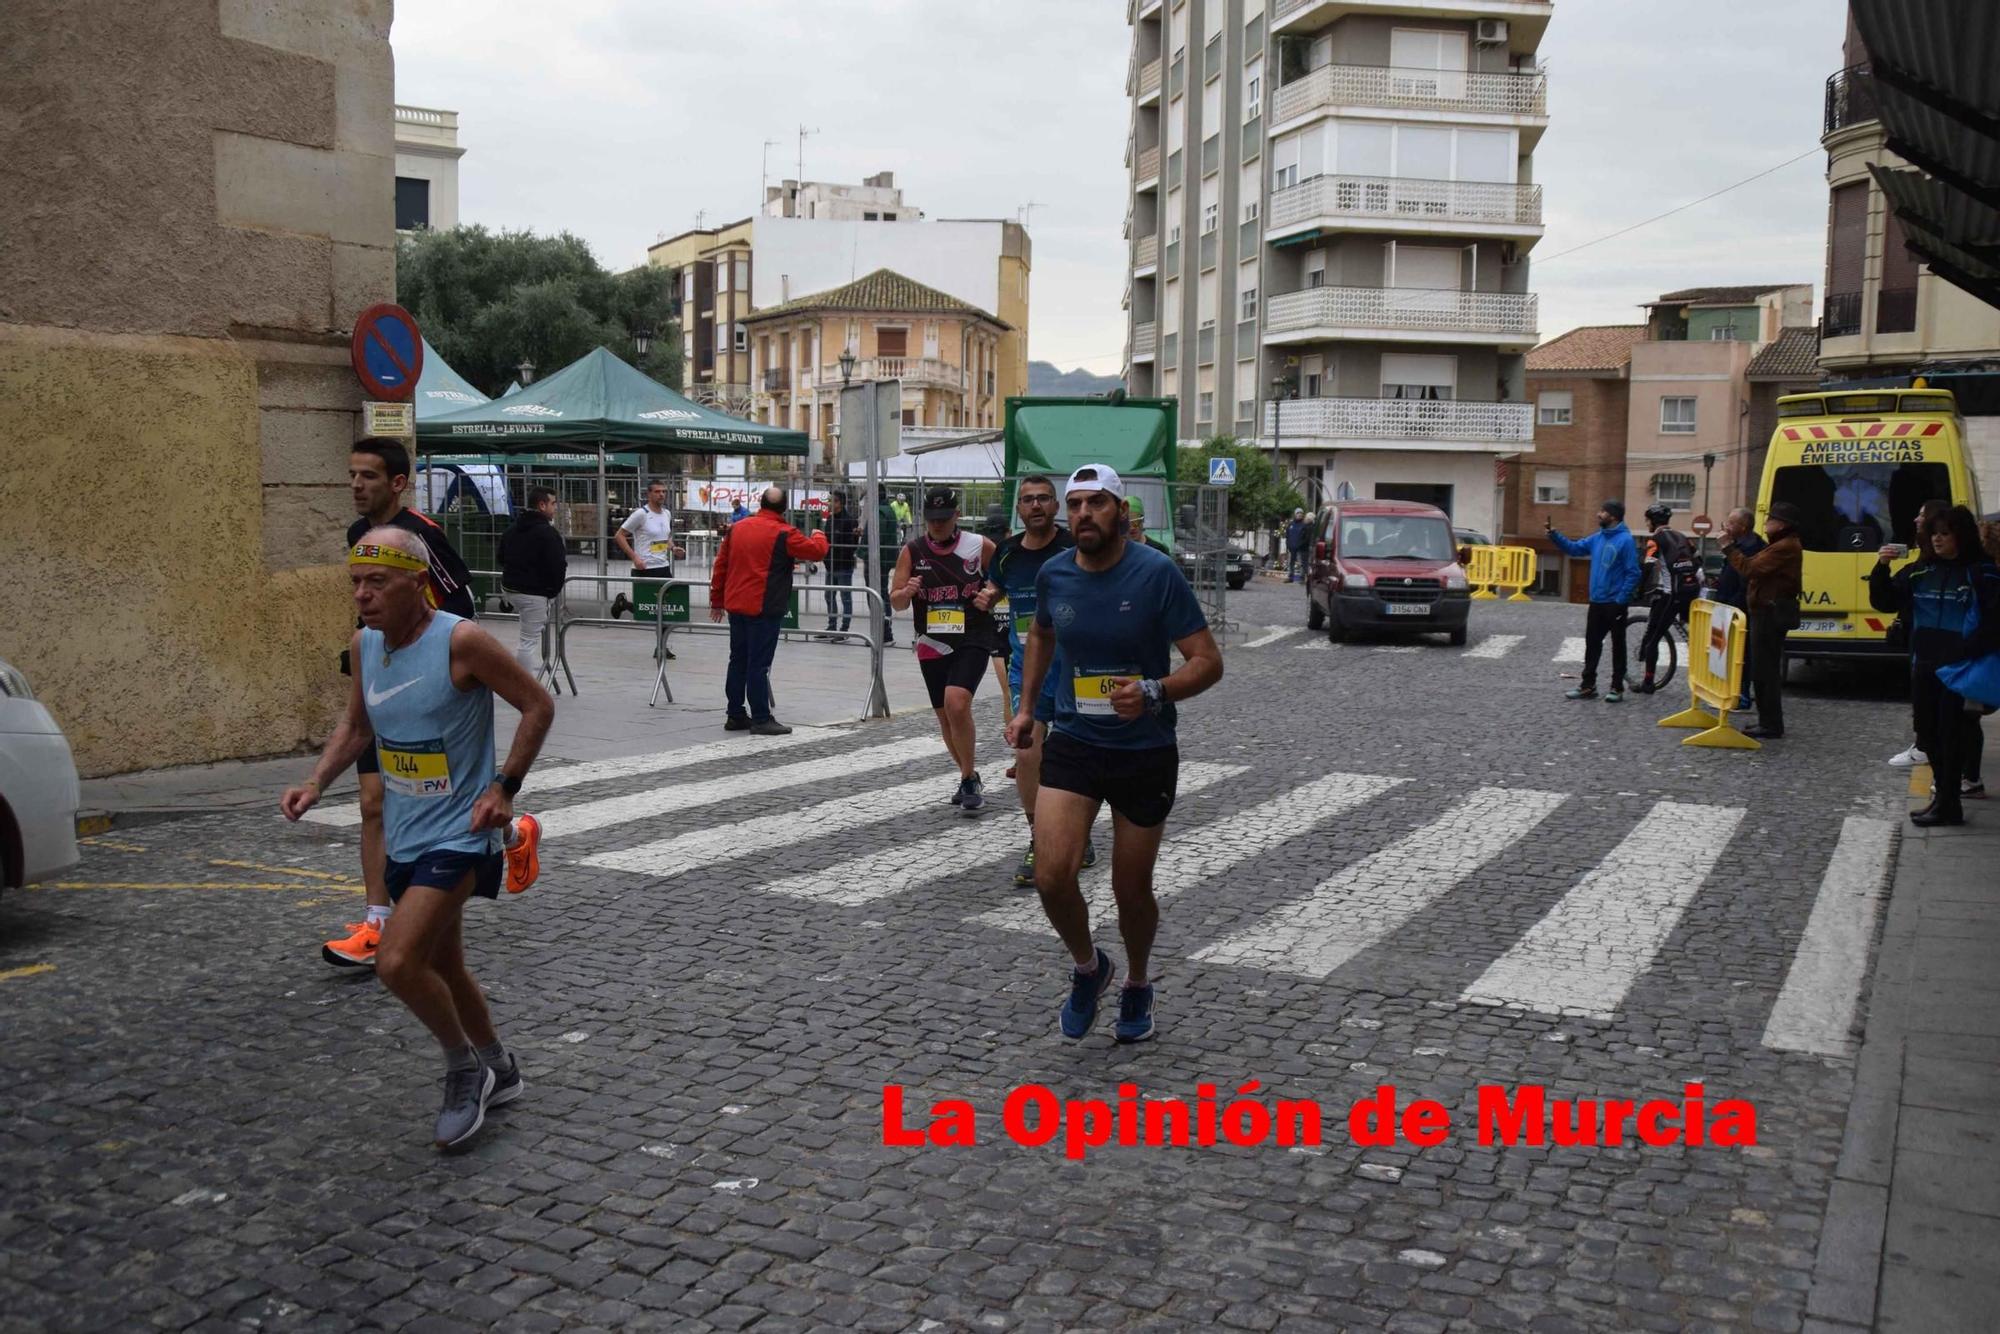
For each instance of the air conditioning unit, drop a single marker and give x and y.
(1491, 32)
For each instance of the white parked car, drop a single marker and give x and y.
(38, 788)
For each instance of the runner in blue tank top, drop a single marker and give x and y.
(422, 701)
(1109, 611)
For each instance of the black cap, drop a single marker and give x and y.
(1615, 508)
(940, 502)
(1785, 512)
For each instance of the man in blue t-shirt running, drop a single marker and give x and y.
(1110, 609)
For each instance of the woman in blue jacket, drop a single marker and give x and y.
(1953, 612)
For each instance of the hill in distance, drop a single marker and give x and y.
(1045, 378)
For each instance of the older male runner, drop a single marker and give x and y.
(422, 700)
(1110, 608)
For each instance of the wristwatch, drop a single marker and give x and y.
(1155, 693)
(509, 785)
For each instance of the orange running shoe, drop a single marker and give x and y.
(524, 859)
(355, 951)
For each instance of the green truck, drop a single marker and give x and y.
(1135, 436)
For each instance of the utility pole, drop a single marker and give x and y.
(803, 132)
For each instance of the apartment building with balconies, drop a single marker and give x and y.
(947, 353)
(1362, 207)
(1886, 314)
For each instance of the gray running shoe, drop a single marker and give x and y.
(972, 795)
(507, 1084)
(464, 1110)
(1089, 852)
(1024, 874)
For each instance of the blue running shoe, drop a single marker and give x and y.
(1079, 1012)
(1135, 1014)
(971, 795)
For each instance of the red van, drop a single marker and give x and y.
(1386, 566)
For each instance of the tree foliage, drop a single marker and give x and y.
(488, 301)
(1258, 501)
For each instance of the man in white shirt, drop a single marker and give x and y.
(652, 527)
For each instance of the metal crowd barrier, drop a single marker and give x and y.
(876, 706)
(1717, 636)
(1501, 567)
(546, 673)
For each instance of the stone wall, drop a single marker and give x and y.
(201, 202)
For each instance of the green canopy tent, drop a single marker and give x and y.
(603, 403)
(440, 389)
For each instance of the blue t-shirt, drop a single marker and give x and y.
(1016, 569)
(1120, 622)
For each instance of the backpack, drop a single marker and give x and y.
(1683, 570)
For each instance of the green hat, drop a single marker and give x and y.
(1137, 506)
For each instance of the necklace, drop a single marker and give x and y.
(388, 652)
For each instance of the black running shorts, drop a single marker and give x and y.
(370, 762)
(1137, 784)
(964, 668)
(443, 869)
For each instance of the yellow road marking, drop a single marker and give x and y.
(1920, 780)
(115, 847)
(181, 884)
(93, 824)
(29, 971)
(284, 870)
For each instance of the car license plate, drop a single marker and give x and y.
(1822, 627)
(1408, 608)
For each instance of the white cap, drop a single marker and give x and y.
(1095, 477)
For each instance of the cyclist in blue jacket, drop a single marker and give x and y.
(1614, 578)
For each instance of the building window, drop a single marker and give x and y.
(1675, 490)
(1551, 486)
(413, 203)
(1722, 333)
(871, 217)
(1250, 209)
(1249, 303)
(1205, 406)
(1676, 415)
(1253, 93)
(1553, 407)
(1209, 214)
(742, 339)
(1285, 176)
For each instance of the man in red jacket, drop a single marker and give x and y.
(753, 584)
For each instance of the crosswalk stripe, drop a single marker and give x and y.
(672, 800)
(1320, 642)
(727, 842)
(1571, 650)
(628, 766)
(1273, 633)
(1352, 910)
(1585, 954)
(1213, 849)
(1495, 646)
(892, 870)
(1816, 1005)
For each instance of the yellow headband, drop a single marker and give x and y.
(370, 553)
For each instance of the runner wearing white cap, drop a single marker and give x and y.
(1113, 608)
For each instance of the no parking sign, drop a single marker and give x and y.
(388, 352)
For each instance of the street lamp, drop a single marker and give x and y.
(846, 366)
(527, 371)
(642, 341)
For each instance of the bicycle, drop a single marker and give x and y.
(1672, 643)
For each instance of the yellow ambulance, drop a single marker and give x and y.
(1858, 464)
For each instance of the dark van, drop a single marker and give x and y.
(1386, 567)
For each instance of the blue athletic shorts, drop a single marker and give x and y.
(444, 868)
(1045, 707)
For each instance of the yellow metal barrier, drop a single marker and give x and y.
(1500, 567)
(1717, 634)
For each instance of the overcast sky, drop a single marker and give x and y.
(619, 120)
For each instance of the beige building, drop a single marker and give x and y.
(1332, 204)
(821, 235)
(946, 353)
(1688, 439)
(427, 155)
(174, 364)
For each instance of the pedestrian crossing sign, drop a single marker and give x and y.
(1222, 472)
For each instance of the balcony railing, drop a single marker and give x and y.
(1149, 164)
(1842, 318)
(1149, 77)
(910, 370)
(1332, 86)
(1407, 198)
(777, 378)
(1144, 339)
(1286, 8)
(1423, 310)
(1851, 99)
(1402, 419)
(1146, 252)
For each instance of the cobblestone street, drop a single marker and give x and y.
(1403, 864)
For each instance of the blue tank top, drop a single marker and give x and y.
(435, 742)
